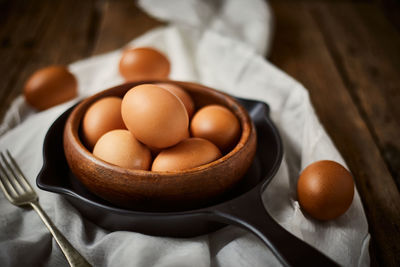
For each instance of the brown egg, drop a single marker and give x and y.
(102, 116)
(120, 147)
(154, 116)
(325, 190)
(143, 63)
(182, 95)
(50, 86)
(216, 124)
(189, 153)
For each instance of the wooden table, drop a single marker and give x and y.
(347, 54)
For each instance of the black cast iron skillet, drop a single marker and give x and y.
(242, 206)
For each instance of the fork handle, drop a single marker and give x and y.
(74, 258)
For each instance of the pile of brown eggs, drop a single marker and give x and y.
(158, 121)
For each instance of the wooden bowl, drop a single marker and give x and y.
(150, 190)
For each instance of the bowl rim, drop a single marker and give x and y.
(246, 124)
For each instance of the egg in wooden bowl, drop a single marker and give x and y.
(164, 189)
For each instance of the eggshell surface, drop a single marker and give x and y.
(154, 116)
(50, 86)
(182, 95)
(189, 153)
(143, 63)
(325, 190)
(120, 147)
(102, 116)
(216, 124)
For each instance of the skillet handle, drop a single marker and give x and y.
(248, 212)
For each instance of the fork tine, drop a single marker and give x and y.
(5, 183)
(19, 172)
(11, 175)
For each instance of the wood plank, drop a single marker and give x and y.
(370, 71)
(391, 8)
(300, 49)
(37, 34)
(20, 22)
(122, 22)
(16, 42)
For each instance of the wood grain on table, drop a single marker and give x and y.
(346, 53)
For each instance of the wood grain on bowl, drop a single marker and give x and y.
(158, 190)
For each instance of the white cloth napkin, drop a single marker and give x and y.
(220, 44)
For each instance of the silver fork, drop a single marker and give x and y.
(20, 193)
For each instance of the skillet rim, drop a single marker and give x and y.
(61, 189)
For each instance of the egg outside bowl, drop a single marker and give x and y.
(157, 191)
